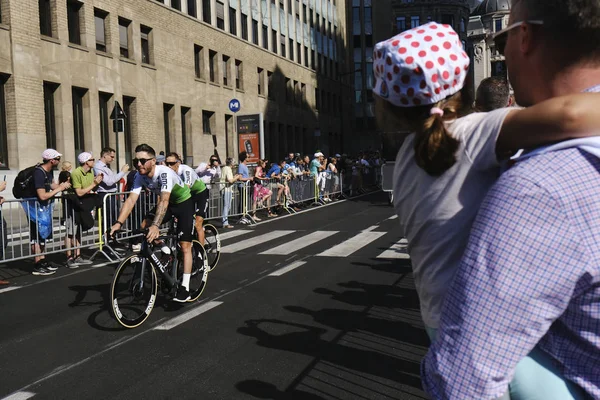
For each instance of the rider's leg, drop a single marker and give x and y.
(199, 229)
(186, 249)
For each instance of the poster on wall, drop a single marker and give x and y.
(251, 136)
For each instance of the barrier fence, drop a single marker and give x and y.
(68, 223)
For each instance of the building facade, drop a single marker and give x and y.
(174, 66)
(488, 18)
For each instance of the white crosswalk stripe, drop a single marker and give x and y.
(396, 252)
(246, 244)
(232, 234)
(300, 243)
(352, 245)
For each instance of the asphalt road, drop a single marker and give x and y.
(327, 311)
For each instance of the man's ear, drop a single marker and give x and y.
(511, 101)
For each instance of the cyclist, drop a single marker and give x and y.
(175, 200)
(197, 188)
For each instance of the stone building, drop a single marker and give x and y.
(174, 66)
(489, 17)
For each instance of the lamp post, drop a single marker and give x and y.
(341, 98)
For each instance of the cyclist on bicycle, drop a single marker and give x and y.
(175, 200)
(197, 187)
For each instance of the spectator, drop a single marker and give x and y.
(109, 183)
(40, 228)
(275, 174)
(228, 179)
(160, 158)
(493, 93)
(262, 194)
(84, 186)
(209, 172)
(244, 179)
(66, 166)
(70, 203)
(4, 233)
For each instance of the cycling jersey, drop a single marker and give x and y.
(191, 179)
(164, 180)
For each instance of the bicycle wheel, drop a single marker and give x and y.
(212, 245)
(133, 291)
(199, 271)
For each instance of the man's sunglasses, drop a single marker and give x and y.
(499, 38)
(57, 159)
(141, 160)
(171, 163)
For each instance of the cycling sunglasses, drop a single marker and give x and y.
(499, 38)
(171, 163)
(141, 160)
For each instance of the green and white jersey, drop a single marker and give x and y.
(191, 179)
(164, 180)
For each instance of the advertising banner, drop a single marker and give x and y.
(250, 136)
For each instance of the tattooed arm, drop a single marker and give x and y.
(161, 210)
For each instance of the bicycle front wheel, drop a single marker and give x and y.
(212, 245)
(133, 291)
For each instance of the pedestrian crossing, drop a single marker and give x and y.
(324, 243)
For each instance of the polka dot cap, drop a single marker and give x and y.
(420, 66)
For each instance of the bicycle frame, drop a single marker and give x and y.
(148, 255)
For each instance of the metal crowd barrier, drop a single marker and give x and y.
(52, 223)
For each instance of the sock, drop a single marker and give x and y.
(186, 281)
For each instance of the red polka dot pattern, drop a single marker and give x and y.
(420, 66)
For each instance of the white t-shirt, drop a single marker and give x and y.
(163, 180)
(436, 213)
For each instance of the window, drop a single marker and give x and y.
(176, 4)
(129, 110)
(448, 19)
(146, 36)
(261, 77)
(45, 17)
(288, 91)
(99, 20)
(186, 137)
(124, 26)
(73, 16)
(104, 100)
(199, 61)
(220, 15)
(270, 87)
(265, 37)
(244, 26)
(401, 24)
(168, 111)
(191, 6)
(78, 96)
(3, 130)
(498, 26)
(414, 21)
(232, 21)
(312, 59)
(239, 73)
(206, 17)
(255, 32)
(212, 65)
(282, 38)
(317, 99)
(226, 81)
(290, 7)
(306, 56)
(49, 113)
(296, 93)
(303, 94)
(207, 121)
(292, 49)
(299, 53)
(274, 41)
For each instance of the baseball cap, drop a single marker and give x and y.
(84, 157)
(319, 154)
(50, 154)
(420, 66)
(160, 158)
(337, 155)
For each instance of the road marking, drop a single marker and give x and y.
(8, 289)
(352, 245)
(245, 244)
(393, 217)
(20, 396)
(290, 267)
(397, 251)
(300, 243)
(371, 228)
(232, 234)
(188, 315)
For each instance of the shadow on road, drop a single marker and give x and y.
(264, 390)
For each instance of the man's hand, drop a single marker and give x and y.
(1, 200)
(125, 168)
(98, 179)
(64, 186)
(113, 229)
(2, 186)
(153, 233)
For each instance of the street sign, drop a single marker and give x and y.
(234, 105)
(119, 125)
(117, 112)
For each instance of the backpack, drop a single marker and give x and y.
(24, 186)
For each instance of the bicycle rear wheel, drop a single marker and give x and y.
(133, 291)
(212, 245)
(199, 271)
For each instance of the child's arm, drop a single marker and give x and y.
(553, 120)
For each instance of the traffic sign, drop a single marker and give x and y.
(235, 105)
(117, 112)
